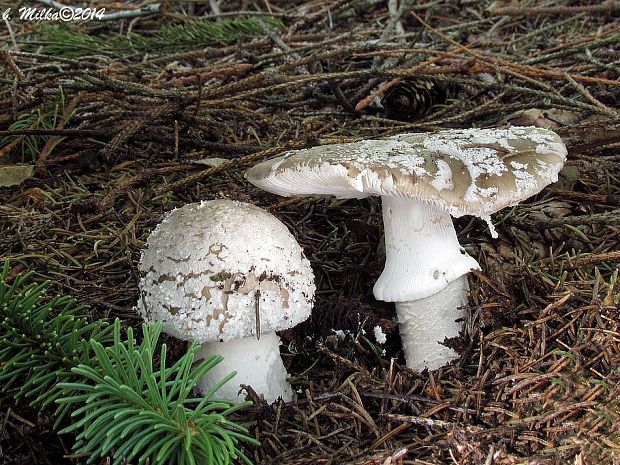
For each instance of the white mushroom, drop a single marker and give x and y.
(228, 274)
(422, 180)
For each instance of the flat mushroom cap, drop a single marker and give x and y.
(464, 172)
(204, 264)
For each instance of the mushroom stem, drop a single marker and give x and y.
(257, 363)
(425, 323)
(424, 262)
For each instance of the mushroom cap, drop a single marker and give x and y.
(206, 264)
(465, 172)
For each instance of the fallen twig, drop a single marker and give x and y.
(607, 7)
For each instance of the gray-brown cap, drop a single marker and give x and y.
(464, 172)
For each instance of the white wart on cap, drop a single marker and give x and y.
(209, 269)
(422, 180)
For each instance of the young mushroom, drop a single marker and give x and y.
(228, 274)
(422, 180)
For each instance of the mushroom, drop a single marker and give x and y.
(228, 275)
(422, 180)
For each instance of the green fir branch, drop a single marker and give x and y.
(40, 342)
(136, 413)
(123, 404)
(63, 41)
(197, 33)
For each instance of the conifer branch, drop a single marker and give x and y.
(124, 405)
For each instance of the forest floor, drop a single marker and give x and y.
(116, 122)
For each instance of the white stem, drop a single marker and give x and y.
(425, 323)
(426, 275)
(257, 363)
(422, 252)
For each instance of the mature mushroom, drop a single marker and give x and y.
(422, 180)
(228, 274)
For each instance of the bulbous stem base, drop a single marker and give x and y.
(425, 323)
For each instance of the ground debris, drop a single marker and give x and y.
(114, 123)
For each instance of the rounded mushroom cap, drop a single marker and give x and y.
(465, 172)
(210, 267)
